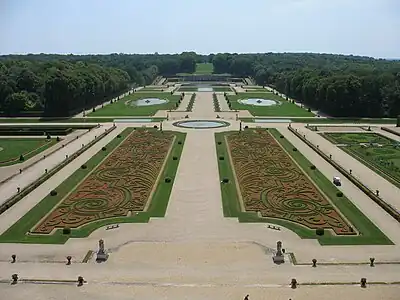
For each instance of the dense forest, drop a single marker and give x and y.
(338, 85)
(60, 85)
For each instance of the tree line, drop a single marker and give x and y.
(338, 85)
(62, 85)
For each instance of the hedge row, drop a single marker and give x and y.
(35, 133)
(390, 210)
(191, 102)
(39, 160)
(391, 131)
(15, 199)
(217, 108)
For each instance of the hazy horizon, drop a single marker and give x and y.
(360, 28)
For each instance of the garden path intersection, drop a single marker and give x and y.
(194, 251)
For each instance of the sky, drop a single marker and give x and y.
(358, 27)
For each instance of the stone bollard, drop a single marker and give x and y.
(69, 260)
(14, 278)
(377, 193)
(45, 171)
(363, 282)
(314, 263)
(372, 261)
(14, 258)
(330, 156)
(293, 283)
(18, 190)
(66, 156)
(351, 171)
(20, 171)
(80, 280)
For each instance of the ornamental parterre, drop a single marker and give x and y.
(271, 183)
(122, 183)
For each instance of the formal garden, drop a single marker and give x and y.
(139, 104)
(18, 150)
(376, 151)
(129, 180)
(265, 179)
(266, 104)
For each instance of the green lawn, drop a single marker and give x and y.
(12, 148)
(188, 89)
(125, 106)
(371, 235)
(195, 89)
(204, 68)
(17, 233)
(256, 90)
(285, 109)
(384, 159)
(327, 121)
(222, 89)
(355, 138)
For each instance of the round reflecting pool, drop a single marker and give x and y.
(259, 102)
(149, 101)
(201, 124)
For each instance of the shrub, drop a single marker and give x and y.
(174, 158)
(245, 127)
(58, 139)
(219, 143)
(21, 158)
(312, 167)
(93, 110)
(320, 231)
(294, 149)
(48, 136)
(155, 126)
(309, 109)
(179, 143)
(104, 148)
(281, 136)
(221, 158)
(339, 194)
(118, 136)
(66, 230)
(167, 180)
(225, 180)
(53, 193)
(84, 167)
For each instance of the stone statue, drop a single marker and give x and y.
(101, 246)
(279, 257)
(279, 248)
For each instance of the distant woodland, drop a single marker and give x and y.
(61, 85)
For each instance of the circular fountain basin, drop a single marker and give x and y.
(149, 101)
(201, 124)
(259, 102)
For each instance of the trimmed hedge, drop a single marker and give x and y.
(15, 199)
(390, 210)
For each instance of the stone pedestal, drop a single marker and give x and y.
(101, 254)
(278, 259)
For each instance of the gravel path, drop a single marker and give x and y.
(194, 252)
